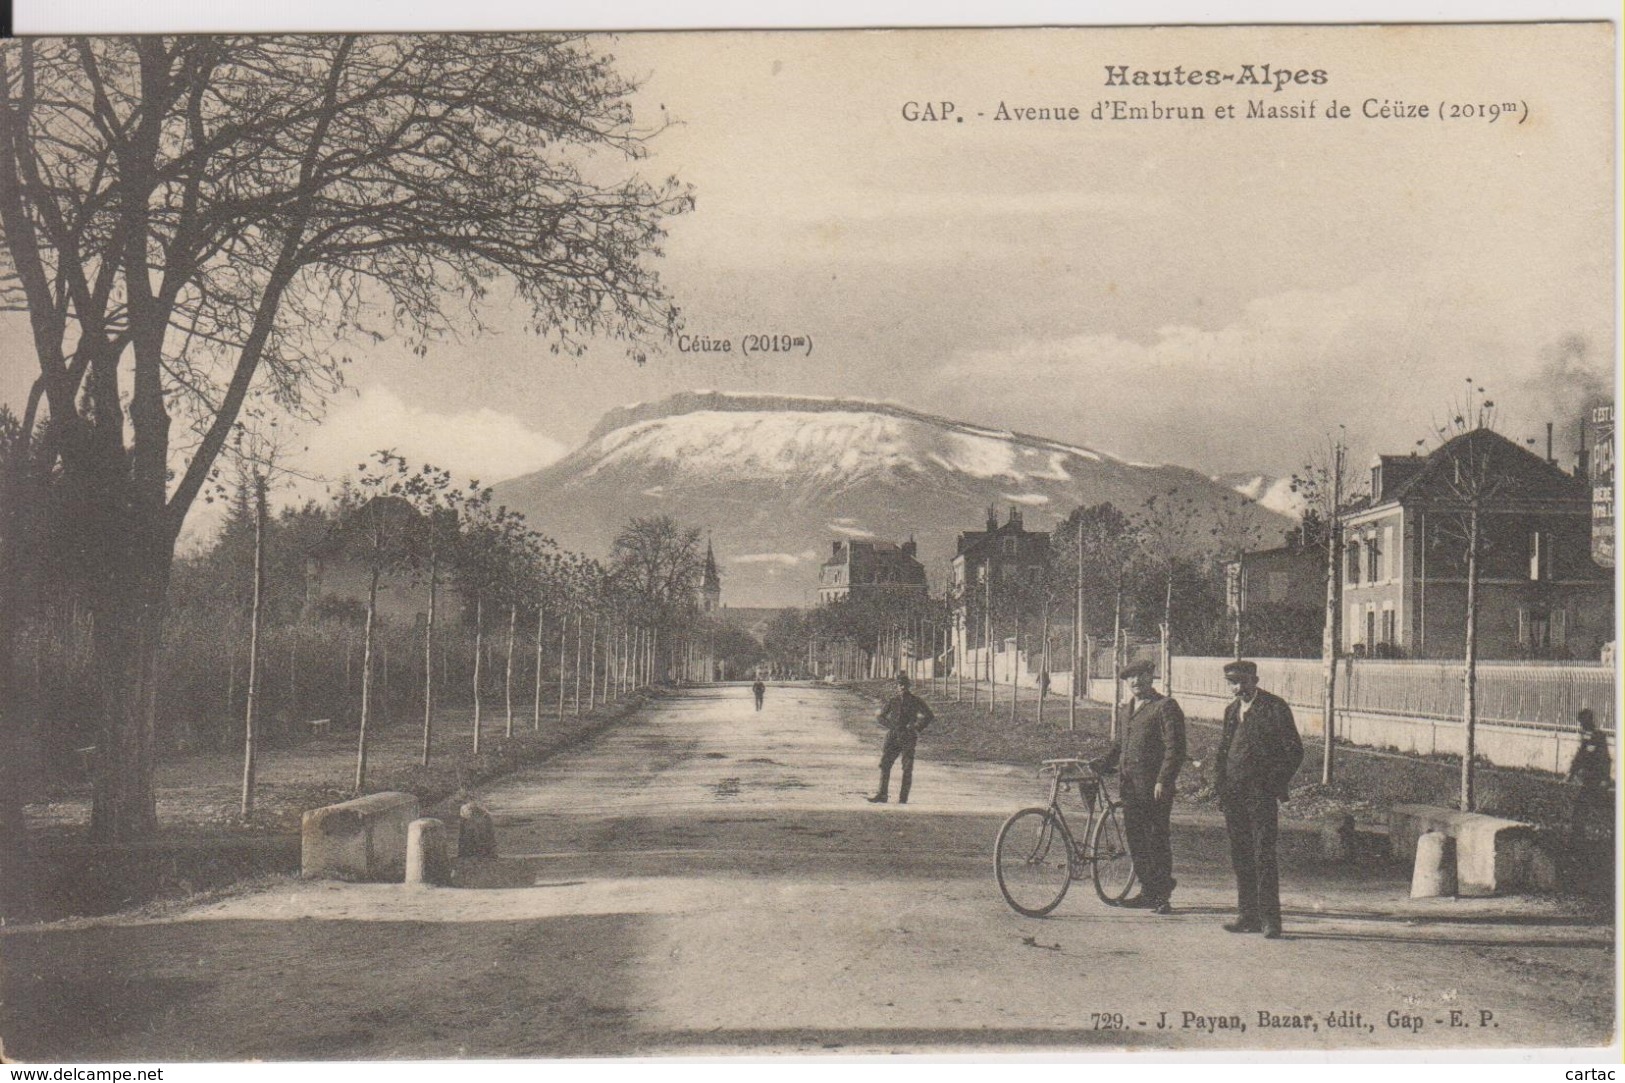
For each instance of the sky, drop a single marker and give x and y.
(1223, 294)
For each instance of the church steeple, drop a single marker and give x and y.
(710, 582)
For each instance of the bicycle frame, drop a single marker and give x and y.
(1025, 862)
(1092, 791)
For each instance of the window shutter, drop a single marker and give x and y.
(1523, 627)
(1559, 627)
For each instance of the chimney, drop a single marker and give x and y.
(1015, 517)
(908, 548)
(992, 518)
(1550, 460)
(1582, 467)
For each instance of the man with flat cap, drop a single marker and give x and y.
(1151, 749)
(905, 717)
(1259, 752)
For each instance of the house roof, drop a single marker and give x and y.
(1519, 473)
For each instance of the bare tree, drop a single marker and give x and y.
(259, 454)
(188, 219)
(1471, 477)
(1327, 492)
(380, 530)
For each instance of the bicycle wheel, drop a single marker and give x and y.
(1110, 858)
(1033, 861)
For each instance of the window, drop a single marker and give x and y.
(1535, 629)
(1540, 555)
(1390, 572)
(1542, 631)
(1009, 547)
(1389, 627)
(1373, 561)
(1354, 564)
(1370, 627)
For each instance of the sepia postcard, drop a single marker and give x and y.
(1065, 541)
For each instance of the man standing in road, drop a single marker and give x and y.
(905, 717)
(1259, 752)
(759, 690)
(1151, 749)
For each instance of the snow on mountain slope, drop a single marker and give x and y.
(1276, 494)
(786, 476)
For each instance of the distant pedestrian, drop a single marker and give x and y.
(759, 690)
(1043, 684)
(905, 717)
(1151, 751)
(1592, 769)
(1259, 752)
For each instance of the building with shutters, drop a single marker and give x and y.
(859, 569)
(1404, 562)
(1280, 596)
(1001, 565)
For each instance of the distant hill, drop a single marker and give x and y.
(776, 479)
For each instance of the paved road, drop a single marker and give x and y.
(707, 879)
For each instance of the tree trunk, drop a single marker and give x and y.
(1077, 640)
(1235, 635)
(1015, 671)
(1043, 663)
(592, 665)
(564, 639)
(1166, 662)
(124, 640)
(428, 656)
(1469, 703)
(507, 673)
(1328, 638)
(479, 653)
(1117, 655)
(366, 683)
(246, 807)
(536, 705)
(575, 701)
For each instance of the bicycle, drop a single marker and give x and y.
(1036, 857)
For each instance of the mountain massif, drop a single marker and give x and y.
(773, 480)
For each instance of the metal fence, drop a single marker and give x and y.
(1532, 695)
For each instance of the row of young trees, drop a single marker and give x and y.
(280, 621)
(398, 525)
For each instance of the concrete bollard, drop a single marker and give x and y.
(427, 860)
(1435, 872)
(476, 832)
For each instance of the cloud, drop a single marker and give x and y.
(483, 444)
(786, 559)
(1380, 356)
(852, 531)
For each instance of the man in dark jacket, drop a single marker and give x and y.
(905, 717)
(1151, 749)
(1259, 753)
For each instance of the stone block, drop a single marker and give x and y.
(361, 839)
(1493, 855)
